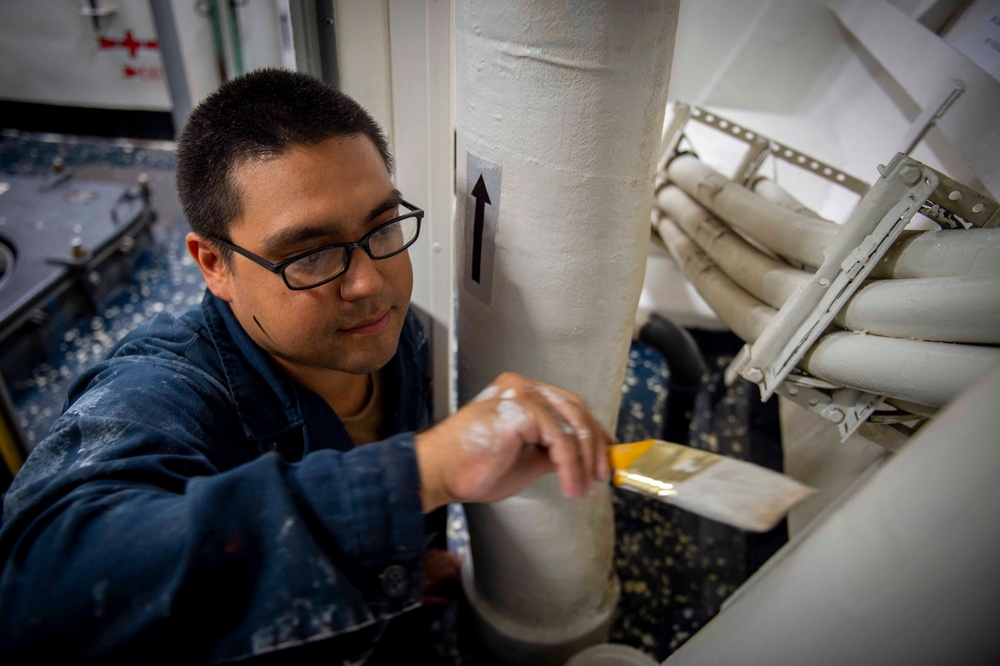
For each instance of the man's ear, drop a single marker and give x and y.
(217, 274)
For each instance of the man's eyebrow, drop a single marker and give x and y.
(291, 236)
(390, 202)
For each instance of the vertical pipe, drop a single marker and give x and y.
(168, 38)
(561, 105)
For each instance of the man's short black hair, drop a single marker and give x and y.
(259, 115)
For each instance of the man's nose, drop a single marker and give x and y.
(362, 278)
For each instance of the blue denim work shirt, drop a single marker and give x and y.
(194, 505)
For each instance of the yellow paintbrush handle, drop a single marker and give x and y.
(623, 455)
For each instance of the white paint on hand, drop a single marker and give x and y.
(552, 396)
(511, 416)
(477, 437)
(487, 393)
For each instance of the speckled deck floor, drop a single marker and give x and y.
(675, 568)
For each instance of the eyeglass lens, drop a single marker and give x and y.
(324, 264)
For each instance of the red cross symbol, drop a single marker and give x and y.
(130, 43)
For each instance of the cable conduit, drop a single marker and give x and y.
(803, 238)
(951, 309)
(928, 373)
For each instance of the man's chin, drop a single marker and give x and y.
(359, 366)
(362, 354)
(363, 361)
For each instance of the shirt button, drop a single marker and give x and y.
(395, 581)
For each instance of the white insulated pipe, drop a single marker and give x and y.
(804, 238)
(775, 193)
(559, 106)
(742, 313)
(929, 373)
(941, 253)
(964, 308)
(768, 279)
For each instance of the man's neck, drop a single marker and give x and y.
(346, 393)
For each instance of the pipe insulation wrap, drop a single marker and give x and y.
(743, 314)
(770, 280)
(568, 100)
(929, 373)
(804, 238)
(774, 193)
(941, 253)
(963, 308)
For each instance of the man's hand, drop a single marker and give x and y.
(515, 430)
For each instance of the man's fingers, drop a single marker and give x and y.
(515, 430)
(565, 451)
(592, 436)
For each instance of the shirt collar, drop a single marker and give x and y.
(266, 400)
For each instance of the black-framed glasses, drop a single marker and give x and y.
(323, 264)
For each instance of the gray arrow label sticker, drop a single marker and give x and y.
(482, 208)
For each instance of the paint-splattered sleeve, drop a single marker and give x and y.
(128, 535)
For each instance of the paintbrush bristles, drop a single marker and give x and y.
(731, 491)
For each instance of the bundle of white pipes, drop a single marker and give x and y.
(962, 308)
(559, 106)
(901, 325)
(803, 238)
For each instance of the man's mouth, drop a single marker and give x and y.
(372, 326)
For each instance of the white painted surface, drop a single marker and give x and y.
(729, 54)
(960, 308)
(363, 57)
(815, 456)
(260, 32)
(982, 43)
(194, 32)
(395, 59)
(568, 99)
(921, 63)
(800, 237)
(902, 572)
(53, 56)
(667, 293)
(420, 50)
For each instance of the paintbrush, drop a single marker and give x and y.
(731, 491)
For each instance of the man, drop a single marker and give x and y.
(245, 481)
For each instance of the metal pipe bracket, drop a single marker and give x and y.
(878, 220)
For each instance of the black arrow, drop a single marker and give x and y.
(482, 198)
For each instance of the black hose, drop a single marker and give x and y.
(686, 366)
